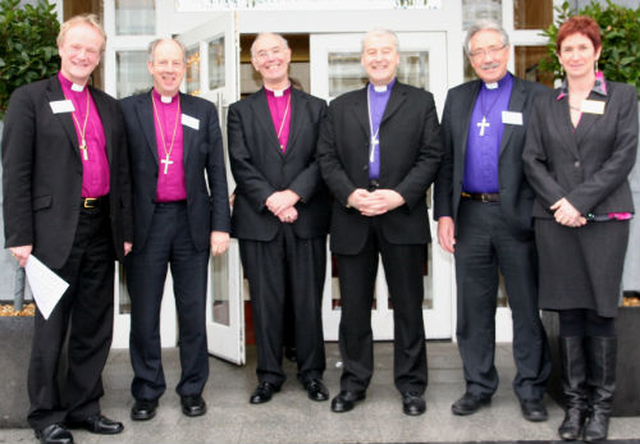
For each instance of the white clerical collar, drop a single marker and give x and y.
(77, 87)
(380, 89)
(492, 85)
(278, 92)
(166, 99)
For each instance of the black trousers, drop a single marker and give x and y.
(168, 242)
(485, 243)
(403, 266)
(85, 312)
(270, 267)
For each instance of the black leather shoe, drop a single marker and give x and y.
(98, 424)
(346, 400)
(413, 404)
(193, 405)
(317, 390)
(143, 409)
(54, 434)
(263, 393)
(469, 404)
(533, 410)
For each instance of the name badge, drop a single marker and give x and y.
(62, 106)
(512, 118)
(191, 122)
(592, 106)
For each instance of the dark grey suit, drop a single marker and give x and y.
(175, 233)
(492, 235)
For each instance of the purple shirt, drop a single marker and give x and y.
(280, 108)
(95, 166)
(377, 103)
(483, 142)
(171, 186)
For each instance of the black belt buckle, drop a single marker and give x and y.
(373, 184)
(90, 202)
(485, 198)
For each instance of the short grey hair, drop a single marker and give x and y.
(263, 34)
(154, 44)
(378, 32)
(484, 25)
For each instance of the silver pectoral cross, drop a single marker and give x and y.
(83, 150)
(482, 125)
(374, 143)
(166, 162)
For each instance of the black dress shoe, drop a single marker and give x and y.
(469, 404)
(98, 424)
(263, 393)
(346, 400)
(413, 404)
(533, 410)
(317, 390)
(193, 405)
(54, 434)
(143, 409)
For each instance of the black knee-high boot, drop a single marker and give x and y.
(601, 378)
(574, 387)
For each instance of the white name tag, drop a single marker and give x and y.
(512, 117)
(592, 106)
(191, 122)
(62, 106)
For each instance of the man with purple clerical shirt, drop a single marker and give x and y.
(483, 206)
(180, 217)
(380, 150)
(281, 217)
(67, 202)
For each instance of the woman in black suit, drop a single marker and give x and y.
(581, 145)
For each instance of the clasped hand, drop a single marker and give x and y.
(567, 215)
(375, 203)
(281, 204)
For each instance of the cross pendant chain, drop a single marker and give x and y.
(482, 125)
(166, 162)
(374, 143)
(83, 150)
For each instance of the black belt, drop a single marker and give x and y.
(93, 202)
(483, 197)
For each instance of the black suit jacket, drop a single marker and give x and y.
(42, 178)
(207, 200)
(410, 154)
(260, 168)
(516, 195)
(589, 166)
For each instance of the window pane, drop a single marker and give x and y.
(193, 72)
(220, 287)
(135, 17)
(216, 63)
(132, 74)
(473, 10)
(532, 14)
(526, 63)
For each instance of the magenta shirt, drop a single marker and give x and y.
(277, 107)
(95, 169)
(171, 186)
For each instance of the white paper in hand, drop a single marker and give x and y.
(47, 287)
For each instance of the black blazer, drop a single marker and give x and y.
(207, 200)
(410, 154)
(516, 195)
(589, 167)
(42, 179)
(260, 168)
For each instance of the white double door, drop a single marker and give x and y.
(212, 73)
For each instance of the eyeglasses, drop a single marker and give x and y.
(482, 53)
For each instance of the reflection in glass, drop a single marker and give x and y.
(216, 63)
(193, 72)
(135, 17)
(346, 73)
(131, 73)
(124, 303)
(526, 63)
(219, 278)
(532, 14)
(473, 10)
